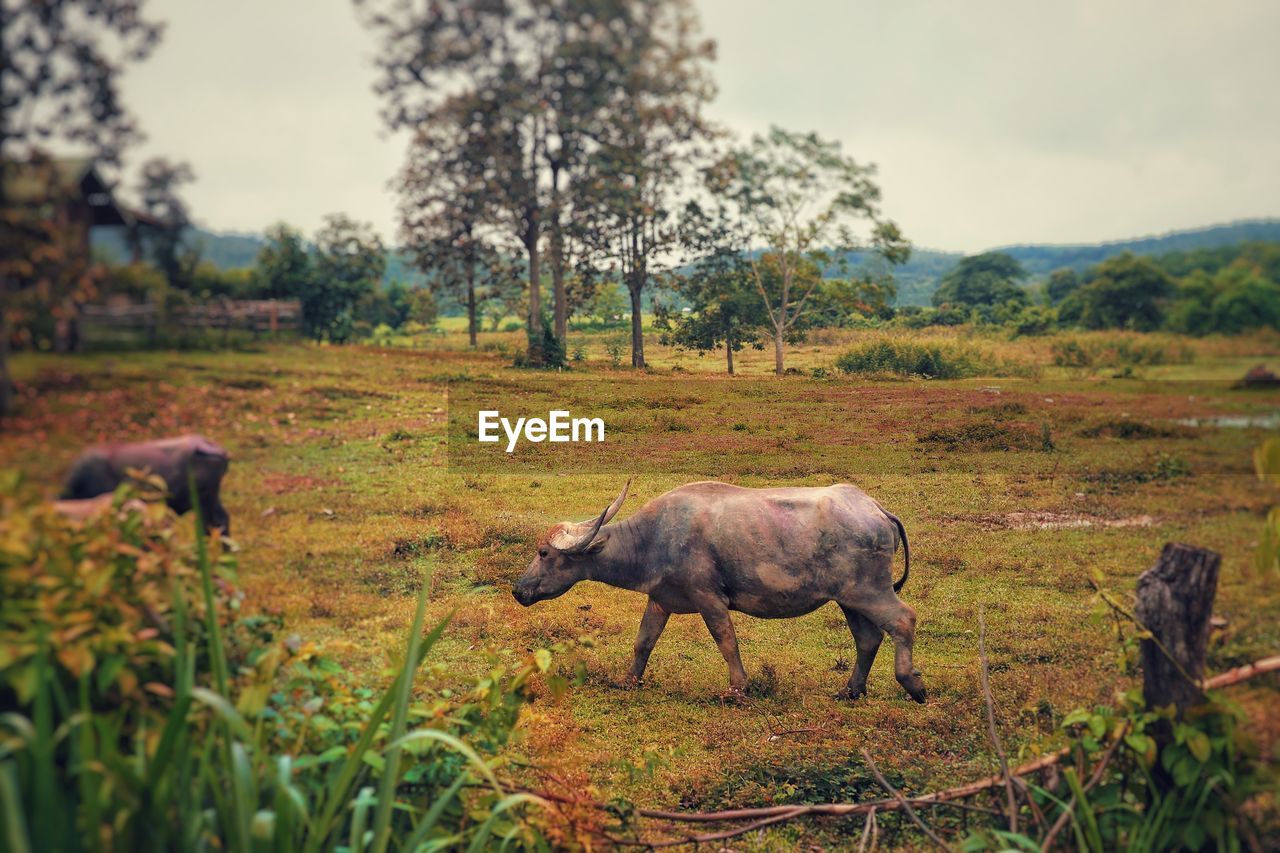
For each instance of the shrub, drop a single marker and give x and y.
(908, 359)
(131, 727)
(986, 435)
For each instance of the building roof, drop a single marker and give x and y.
(74, 178)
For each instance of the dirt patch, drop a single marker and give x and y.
(1040, 520)
(287, 484)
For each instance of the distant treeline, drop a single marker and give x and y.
(916, 280)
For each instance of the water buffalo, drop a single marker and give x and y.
(100, 469)
(709, 548)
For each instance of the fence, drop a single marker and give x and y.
(254, 315)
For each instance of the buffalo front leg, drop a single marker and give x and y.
(898, 620)
(651, 626)
(721, 627)
(867, 637)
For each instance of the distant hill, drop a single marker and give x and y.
(233, 250)
(916, 280)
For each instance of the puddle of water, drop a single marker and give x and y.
(1268, 421)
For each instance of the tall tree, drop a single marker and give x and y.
(60, 62)
(547, 80)
(475, 62)
(445, 210)
(799, 202)
(630, 192)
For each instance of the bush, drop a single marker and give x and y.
(908, 359)
(130, 726)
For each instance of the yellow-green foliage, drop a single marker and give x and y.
(99, 593)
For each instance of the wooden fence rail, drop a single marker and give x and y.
(256, 315)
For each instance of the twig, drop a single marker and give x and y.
(769, 815)
(869, 832)
(1242, 673)
(785, 732)
(991, 724)
(713, 836)
(911, 813)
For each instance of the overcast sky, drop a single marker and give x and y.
(992, 122)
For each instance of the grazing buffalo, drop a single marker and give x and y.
(709, 548)
(100, 469)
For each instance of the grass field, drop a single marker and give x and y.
(1015, 489)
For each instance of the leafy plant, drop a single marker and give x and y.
(204, 754)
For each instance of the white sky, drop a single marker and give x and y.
(993, 121)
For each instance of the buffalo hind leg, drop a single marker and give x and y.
(898, 620)
(721, 627)
(651, 626)
(867, 637)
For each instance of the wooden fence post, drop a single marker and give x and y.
(1175, 601)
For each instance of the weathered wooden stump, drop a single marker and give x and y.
(1175, 603)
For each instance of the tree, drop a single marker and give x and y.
(725, 308)
(984, 282)
(350, 261)
(477, 64)
(445, 205)
(422, 307)
(541, 87)
(839, 302)
(796, 198)
(607, 304)
(1123, 292)
(1062, 283)
(629, 194)
(60, 62)
(285, 263)
(158, 189)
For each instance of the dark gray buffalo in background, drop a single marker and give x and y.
(709, 548)
(99, 470)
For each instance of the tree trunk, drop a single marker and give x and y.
(728, 348)
(637, 324)
(6, 387)
(1175, 601)
(471, 304)
(777, 352)
(560, 298)
(535, 296)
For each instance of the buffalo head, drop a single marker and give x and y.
(562, 555)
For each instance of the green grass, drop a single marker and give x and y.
(340, 490)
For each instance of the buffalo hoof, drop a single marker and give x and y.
(628, 682)
(851, 695)
(914, 685)
(734, 696)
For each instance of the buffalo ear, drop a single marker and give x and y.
(598, 544)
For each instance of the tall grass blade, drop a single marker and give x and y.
(404, 691)
(15, 821)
